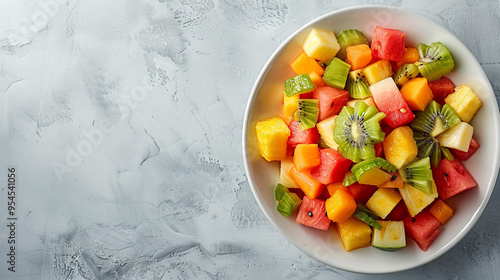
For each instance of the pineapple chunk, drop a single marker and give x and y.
(400, 148)
(321, 45)
(325, 129)
(415, 199)
(368, 101)
(272, 135)
(374, 176)
(383, 201)
(290, 104)
(464, 101)
(354, 233)
(377, 71)
(285, 178)
(458, 137)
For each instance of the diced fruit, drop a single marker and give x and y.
(390, 101)
(333, 187)
(362, 193)
(326, 128)
(340, 206)
(358, 56)
(299, 136)
(418, 174)
(331, 101)
(405, 73)
(374, 176)
(423, 228)
(373, 171)
(377, 71)
(307, 183)
(465, 102)
(349, 37)
(317, 79)
(279, 190)
(354, 234)
(290, 104)
(288, 204)
(298, 84)
(321, 45)
(388, 44)
(312, 214)
(383, 201)
(435, 119)
(336, 73)
(452, 178)
(474, 145)
(349, 178)
(379, 149)
(441, 211)
(410, 56)
(304, 64)
(395, 182)
(441, 89)
(285, 178)
(398, 213)
(365, 215)
(357, 85)
(415, 199)
(417, 93)
(368, 101)
(308, 112)
(391, 237)
(306, 157)
(457, 137)
(332, 168)
(399, 146)
(272, 135)
(435, 61)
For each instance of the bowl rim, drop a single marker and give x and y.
(251, 100)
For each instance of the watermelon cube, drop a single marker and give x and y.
(312, 213)
(362, 193)
(398, 213)
(452, 178)
(299, 136)
(473, 146)
(388, 44)
(331, 101)
(332, 168)
(389, 100)
(423, 228)
(442, 88)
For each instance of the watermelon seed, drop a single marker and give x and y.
(445, 174)
(310, 214)
(394, 177)
(413, 220)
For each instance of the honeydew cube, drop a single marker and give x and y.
(458, 137)
(321, 45)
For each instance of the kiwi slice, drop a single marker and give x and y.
(299, 84)
(357, 85)
(435, 61)
(405, 73)
(364, 214)
(308, 113)
(279, 190)
(336, 73)
(349, 37)
(435, 119)
(418, 174)
(375, 162)
(349, 179)
(357, 130)
(289, 204)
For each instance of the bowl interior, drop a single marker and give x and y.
(265, 102)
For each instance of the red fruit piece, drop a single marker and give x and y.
(452, 178)
(423, 228)
(389, 100)
(299, 136)
(312, 213)
(362, 193)
(331, 101)
(398, 213)
(379, 149)
(442, 88)
(332, 168)
(388, 44)
(474, 145)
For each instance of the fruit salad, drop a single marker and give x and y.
(370, 138)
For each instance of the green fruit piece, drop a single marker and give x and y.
(357, 130)
(405, 73)
(390, 237)
(308, 113)
(418, 174)
(336, 73)
(376, 168)
(298, 84)
(349, 179)
(357, 85)
(289, 204)
(279, 191)
(435, 119)
(435, 61)
(447, 154)
(349, 37)
(366, 215)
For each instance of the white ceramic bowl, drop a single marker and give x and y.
(265, 101)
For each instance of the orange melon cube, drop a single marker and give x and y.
(333, 187)
(306, 156)
(340, 206)
(304, 64)
(317, 79)
(410, 56)
(307, 183)
(417, 93)
(358, 56)
(441, 211)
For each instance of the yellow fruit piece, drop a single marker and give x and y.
(458, 137)
(285, 178)
(325, 129)
(415, 199)
(290, 104)
(368, 101)
(378, 71)
(272, 135)
(321, 45)
(400, 148)
(464, 101)
(383, 201)
(354, 233)
(374, 176)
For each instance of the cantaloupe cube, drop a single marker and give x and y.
(303, 64)
(321, 45)
(441, 211)
(417, 93)
(358, 56)
(355, 234)
(400, 148)
(465, 102)
(383, 201)
(378, 71)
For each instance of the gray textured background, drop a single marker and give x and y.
(124, 121)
